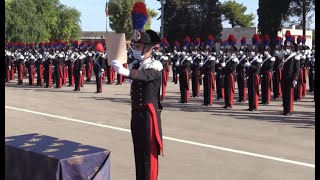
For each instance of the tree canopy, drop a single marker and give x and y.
(194, 18)
(40, 20)
(235, 13)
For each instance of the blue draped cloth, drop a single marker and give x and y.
(40, 157)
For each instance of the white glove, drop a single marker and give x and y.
(303, 57)
(102, 70)
(80, 72)
(177, 63)
(294, 83)
(223, 64)
(247, 64)
(124, 71)
(201, 64)
(297, 57)
(273, 59)
(116, 65)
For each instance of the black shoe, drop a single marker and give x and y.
(252, 109)
(226, 107)
(219, 99)
(286, 113)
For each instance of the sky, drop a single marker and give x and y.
(93, 13)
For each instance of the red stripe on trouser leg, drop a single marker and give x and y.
(100, 84)
(49, 77)
(153, 153)
(187, 88)
(65, 74)
(60, 76)
(231, 90)
(222, 92)
(211, 88)
(156, 127)
(40, 74)
(270, 86)
(244, 93)
(256, 95)
(32, 74)
(164, 84)
(113, 75)
(291, 98)
(20, 72)
(279, 85)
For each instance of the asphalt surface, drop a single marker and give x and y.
(199, 142)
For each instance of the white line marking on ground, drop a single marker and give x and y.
(172, 139)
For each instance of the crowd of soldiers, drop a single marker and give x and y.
(55, 62)
(282, 69)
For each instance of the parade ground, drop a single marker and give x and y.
(200, 142)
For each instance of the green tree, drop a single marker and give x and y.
(194, 18)
(235, 13)
(294, 14)
(152, 14)
(271, 13)
(40, 20)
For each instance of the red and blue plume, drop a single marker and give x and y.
(243, 40)
(164, 43)
(186, 41)
(278, 40)
(139, 15)
(288, 36)
(225, 43)
(176, 44)
(255, 39)
(299, 39)
(231, 40)
(209, 42)
(197, 42)
(303, 40)
(266, 40)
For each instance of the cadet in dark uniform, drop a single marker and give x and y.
(253, 66)
(146, 108)
(219, 68)
(8, 62)
(99, 63)
(290, 74)
(195, 68)
(277, 69)
(229, 73)
(184, 72)
(175, 63)
(266, 71)
(31, 69)
(240, 70)
(39, 67)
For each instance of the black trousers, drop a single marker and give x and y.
(175, 74)
(241, 86)
(146, 149)
(266, 86)
(311, 80)
(276, 83)
(99, 82)
(220, 85)
(228, 90)
(195, 82)
(184, 86)
(76, 75)
(208, 87)
(287, 94)
(253, 91)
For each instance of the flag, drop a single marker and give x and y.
(107, 9)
